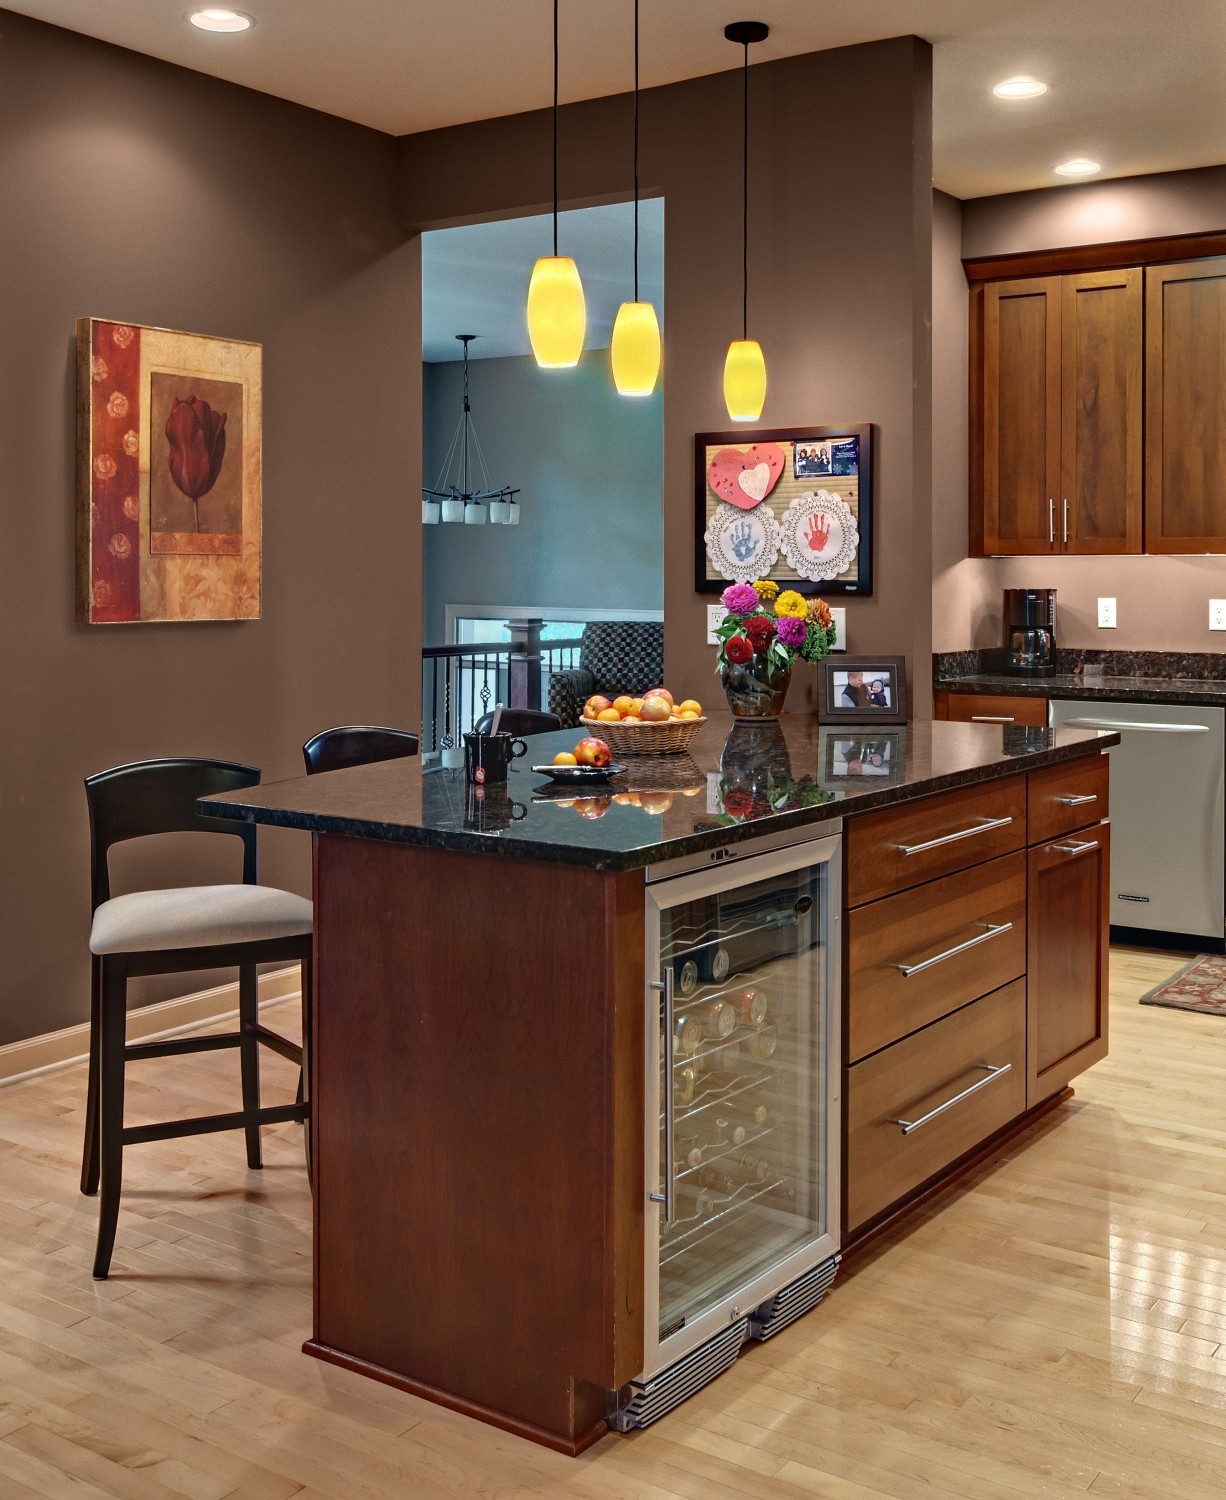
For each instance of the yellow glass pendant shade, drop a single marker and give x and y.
(635, 349)
(744, 380)
(557, 313)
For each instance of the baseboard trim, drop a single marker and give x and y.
(59, 1049)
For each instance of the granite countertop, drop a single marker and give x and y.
(1207, 691)
(735, 785)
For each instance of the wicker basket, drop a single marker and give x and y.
(671, 738)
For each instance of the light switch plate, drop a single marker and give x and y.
(840, 622)
(1106, 614)
(715, 618)
(1217, 614)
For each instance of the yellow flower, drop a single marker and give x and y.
(791, 604)
(767, 589)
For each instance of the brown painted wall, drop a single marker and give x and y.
(839, 293)
(1162, 603)
(139, 191)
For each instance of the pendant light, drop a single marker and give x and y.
(745, 366)
(635, 349)
(557, 314)
(453, 498)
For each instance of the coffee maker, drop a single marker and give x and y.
(1030, 631)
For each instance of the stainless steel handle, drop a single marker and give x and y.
(907, 1126)
(1077, 847)
(1078, 801)
(994, 929)
(1143, 728)
(985, 826)
(1066, 520)
(1051, 519)
(669, 1196)
(993, 719)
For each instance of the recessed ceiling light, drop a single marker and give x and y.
(1020, 88)
(1078, 167)
(214, 18)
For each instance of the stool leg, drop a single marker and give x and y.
(112, 1039)
(89, 1159)
(304, 1082)
(249, 1057)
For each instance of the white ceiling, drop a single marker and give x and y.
(1135, 84)
(474, 279)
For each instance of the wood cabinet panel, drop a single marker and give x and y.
(1185, 400)
(960, 937)
(901, 847)
(916, 1076)
(1101, 412)
(989, 708)
(1068, 905)
(1021, 415)
(1063, 798)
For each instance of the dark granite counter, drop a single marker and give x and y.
(736, 785)
(1195, 677)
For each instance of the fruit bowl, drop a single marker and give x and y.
(671, 737)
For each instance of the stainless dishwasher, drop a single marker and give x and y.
(1168, 817)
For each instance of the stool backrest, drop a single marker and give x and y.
(159, 796)
(356, 745)
(520, 721)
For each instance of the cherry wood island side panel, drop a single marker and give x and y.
(478, 1100)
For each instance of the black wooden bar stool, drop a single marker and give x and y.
(356, 745)
(173, 931)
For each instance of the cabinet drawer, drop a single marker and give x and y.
(994, 708)
(946, 1067)
(1066, 797)
(905, 846)
(915, 957)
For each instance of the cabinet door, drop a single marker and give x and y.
(1068, 897)
(1101, 362)
(1021, 415)
(1185, 407)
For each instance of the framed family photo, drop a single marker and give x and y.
(875, 755)
(862, 690)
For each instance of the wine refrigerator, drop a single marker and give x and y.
(742, 1075)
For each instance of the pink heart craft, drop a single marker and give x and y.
(744, 479)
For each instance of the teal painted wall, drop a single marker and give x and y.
(589, 464)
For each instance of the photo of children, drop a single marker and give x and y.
(864, 689)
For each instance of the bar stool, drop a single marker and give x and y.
(520, 721)
(356, 745)
(173, 931)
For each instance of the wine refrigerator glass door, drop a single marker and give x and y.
(742, 1088)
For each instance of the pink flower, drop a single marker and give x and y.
(792, 632)
(120, 546)
(131, 507)
(131, 443)
(105, 466)
(98, 368)
(117, 406)
(740, 598)
(122, 335)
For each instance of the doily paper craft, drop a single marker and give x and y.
(742, 544)
(818, 535)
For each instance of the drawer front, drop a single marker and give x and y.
(915, 957)
(904, 846)
(940, 1065)
(995, 708)
(1066, 797)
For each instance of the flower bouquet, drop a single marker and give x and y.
(760, 638)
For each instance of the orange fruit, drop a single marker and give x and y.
(691, 706)
(564, 758)
(608, 716)
(657, 802)
(686, 714)
(636, 705)
(622, 704)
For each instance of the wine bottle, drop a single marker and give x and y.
(687, 1035)
(752, 1008)
(719, 1019)
(716, 1181)
(687, 977)
(750, 1167)
(714, 963)
(684, 1081)
(762, 1044)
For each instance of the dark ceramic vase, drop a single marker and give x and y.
(754, 689)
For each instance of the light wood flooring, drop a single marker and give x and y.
(1055, 1326)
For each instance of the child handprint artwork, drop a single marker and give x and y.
(743, 543)
(819, 535)
(817, 532)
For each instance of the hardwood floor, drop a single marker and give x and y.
(1053, 1326)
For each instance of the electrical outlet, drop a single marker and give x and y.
(1217, 614)
(840, 622)
(1106, 614)
(715, 618)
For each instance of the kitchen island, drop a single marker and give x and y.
(498, 1106)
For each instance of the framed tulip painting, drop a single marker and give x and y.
(791, 504)
(169, 475)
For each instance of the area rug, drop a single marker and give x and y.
(1201, 985)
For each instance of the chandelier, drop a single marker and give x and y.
(451, 497)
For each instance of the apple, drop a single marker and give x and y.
(593, 807)
(660, 692)
(593, 752)
(657, 802)
(594, 705)
(655, 711)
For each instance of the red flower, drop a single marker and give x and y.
(737, 649)
(738, 804)
(197, 437)
(761, 631)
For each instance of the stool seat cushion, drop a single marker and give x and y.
(197, 916)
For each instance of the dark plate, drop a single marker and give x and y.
(576, 775)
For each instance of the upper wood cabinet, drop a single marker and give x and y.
(1056, 414)
(1185, 419)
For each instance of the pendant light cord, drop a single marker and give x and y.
(555, 126)
(745, 204)
(636, 150)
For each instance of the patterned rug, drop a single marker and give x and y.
(1201, 985)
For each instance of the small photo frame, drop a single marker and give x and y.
(871, 757)
(862, 690)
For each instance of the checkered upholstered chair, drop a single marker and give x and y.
(617, 656)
